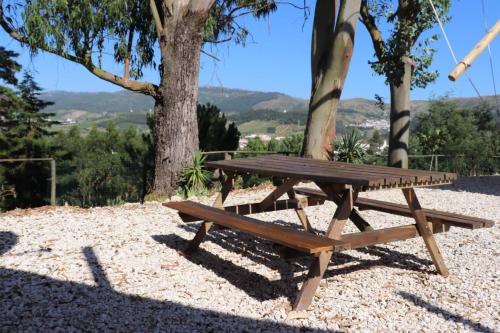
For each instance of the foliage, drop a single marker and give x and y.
(221, 24)
(292, 143)
(405, 24)
(214, 133)
(24, 129)
(468, 135)
(194, 177)
(8, 66)
(86, 32)
(349, 147)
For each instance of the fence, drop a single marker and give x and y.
(52, 172)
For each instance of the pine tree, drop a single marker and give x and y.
(24, 133)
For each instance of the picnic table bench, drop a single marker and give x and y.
(338, 182)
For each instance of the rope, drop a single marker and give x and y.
(451, 49)
(491, 59)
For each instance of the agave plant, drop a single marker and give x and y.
(349, 147)
(194, 176)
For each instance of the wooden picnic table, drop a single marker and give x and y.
(338, 182)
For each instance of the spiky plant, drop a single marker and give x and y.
(194, 176)
(349, 147)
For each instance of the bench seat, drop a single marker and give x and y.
(449, 219)
(299, 240)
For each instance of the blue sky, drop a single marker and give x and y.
(277, 59)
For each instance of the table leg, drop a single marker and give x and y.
(206, 225)
(320, 263)
(314, 276)
(355, 216)
(425, 231)
(301, 213)
(344, 209)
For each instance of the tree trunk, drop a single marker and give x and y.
(329, 71)
(400, 118)
(176, 128)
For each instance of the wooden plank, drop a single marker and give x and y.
(206, 225)
(281, 167)
(452, 219)
(370, 167)
(449, 219)
(286, 173)
(299, 240)
(334, 172)
(425, 232)
(255, 208)
(347, 170)
(305, 165)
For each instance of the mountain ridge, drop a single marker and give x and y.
(253, 110)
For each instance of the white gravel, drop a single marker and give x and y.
(120, 269)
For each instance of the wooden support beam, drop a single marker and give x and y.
(254, 208)
(425, 231)
(301, 214)
(206, 225)
(387, 235)
(277, 193)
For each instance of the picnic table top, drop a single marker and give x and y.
(362, 176)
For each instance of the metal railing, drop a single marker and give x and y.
(52, 172)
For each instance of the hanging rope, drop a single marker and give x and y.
(491, 59)
(451, 49)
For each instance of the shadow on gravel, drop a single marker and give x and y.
(445, 313)
(8, 240)
(262, 253)
(479, 184)
(32, 302)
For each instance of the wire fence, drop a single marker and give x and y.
(53, 175)
(461, 164)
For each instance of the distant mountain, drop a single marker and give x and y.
(244, 106)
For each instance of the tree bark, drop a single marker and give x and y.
(176, 128)
(329, 76)
(400, 118)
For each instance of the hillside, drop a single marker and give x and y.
(253, 111)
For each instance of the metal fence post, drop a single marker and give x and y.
(53, 182)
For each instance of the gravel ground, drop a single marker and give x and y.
(120, 269)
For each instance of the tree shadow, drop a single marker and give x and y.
(8, 240)
(33, 302)
(478, 327)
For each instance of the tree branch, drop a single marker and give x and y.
(86, 61)
(126, 70)
(375, 34)
(156, 17)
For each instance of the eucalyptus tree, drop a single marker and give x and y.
(331, 52)
(403, 57)
(166, 35)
